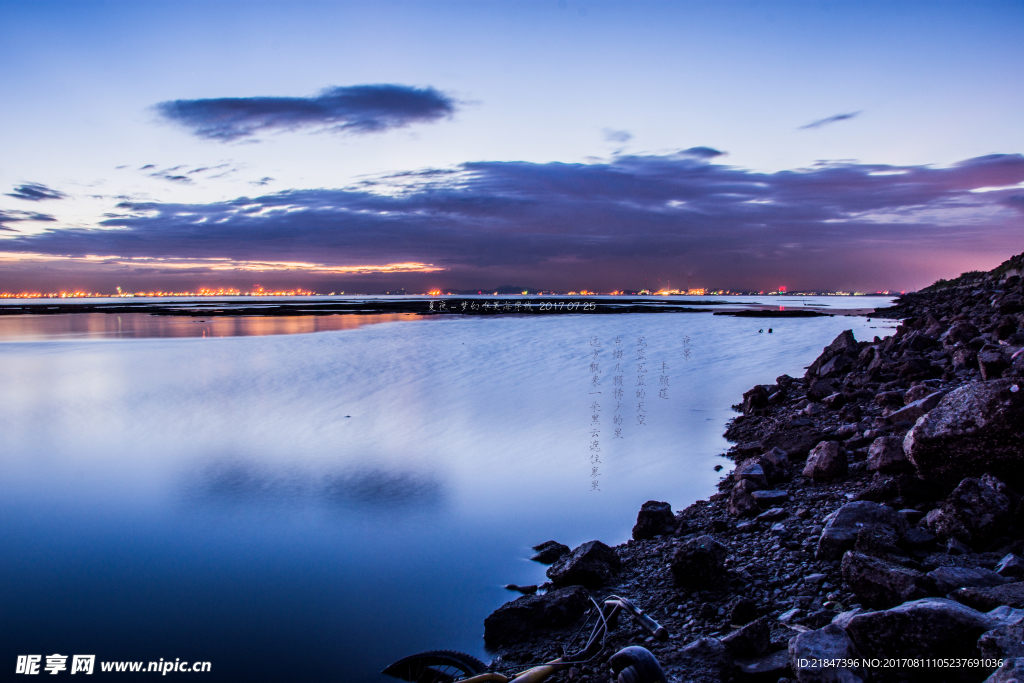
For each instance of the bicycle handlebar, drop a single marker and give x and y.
(649, 625)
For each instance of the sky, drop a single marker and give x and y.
(557, 145)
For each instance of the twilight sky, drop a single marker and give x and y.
(555, 145)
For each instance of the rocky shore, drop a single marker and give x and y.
(872, 529)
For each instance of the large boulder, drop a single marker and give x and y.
(879, 583)
(1012, 671)
(826, 461)
(531, 614)
(976, 512)
(975, 429)
(1006, 640)
(912, 412)
(926, 628)
(699, 563)
(592, 565)
(655, 518)
(959, 332)
(840, 533)
(991, 364)
(985, 599)
(816, 657)
(949, 579)
(549, 552)
(886, 455)
(741, 502)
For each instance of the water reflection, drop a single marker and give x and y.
(142, 325)
(372, 489)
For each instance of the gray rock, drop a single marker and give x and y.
(843, 618)
(1004, 641)
(655, 518)
(753, 640)
(1012, 671)
(991, 364)
(886, 455)
(796, 442)
(776, 465)
(948, 579)
(772, 515)
(741, 502)
(592, 565)
(959, 332)
(699, 563)
(1011, 566)
(878, 583)
(976, 512)
(931, 627)
(791, 615)
(914, 411)
(840, 534)
(976, 429)
(767, 668)
(549, 552)
(767, 499)
(753, 472)
(703, 661)
(826, 461)
(531, 614)
(830, 643)
(985, 599)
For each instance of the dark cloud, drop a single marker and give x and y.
(35, 192)
(352, 109)
(831, 119)
(701, 153)
(19, 216)
(619, 136)
(611, 223)
(265, 180)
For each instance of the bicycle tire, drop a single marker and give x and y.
(436, 666)
(636, 664)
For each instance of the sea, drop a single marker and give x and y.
(312, 498)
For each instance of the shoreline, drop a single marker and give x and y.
(850, 512)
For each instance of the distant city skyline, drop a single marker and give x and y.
(558, 146)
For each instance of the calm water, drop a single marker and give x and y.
(314, 506)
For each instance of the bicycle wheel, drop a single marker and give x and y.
(436, 666)
(636, 664)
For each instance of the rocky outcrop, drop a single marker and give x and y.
(840, 534)
(976, 512)
(975, 429)
(886, 455)
(592, 565)
(531, 614)
(549, 552)
(655, 518)
(881, 583)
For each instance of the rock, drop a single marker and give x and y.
(530, 614)
(840, 532)
(991, 364)
(959, 332)
(821, 388)
(914, 411)
(975, 429)
(525, 590)
(796, 442)
(826, 461)
(703, 661)
(890, 399)
(592, 565)
(877, 541)
(927, 628)
(1011, 566)
(1004, 641)
(964, 359)
(655, 518)
(916, 393)
(886, 455)
(766, 669)
(838, 365)
(549, 552)
(772, 515)
(847, 431)
(1012, 671)
(976, 512)
(955, 547)
(699, 563)
(985, 599)
(753, 472)
(754, 399)
(948, 579)
(767, 499)
(830, 644)
(878, 583)
(775, 464)
(791, 615)
(741, 501)
(919, 539)
(752, 640)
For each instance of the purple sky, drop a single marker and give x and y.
(552, 145)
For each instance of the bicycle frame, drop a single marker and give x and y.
(607, 620)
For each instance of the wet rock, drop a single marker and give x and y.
(655, 518)
(531, 614)
(741, 501)
(826, 461)
(592, 565)
(1011, 566)
(1012, 671)
(886, 455)
(948, 579)
(985, 599)
(752, 640)
(931, 627)
(914, 411)
(767, 499)
(975, 429)
(699, 563)
(549, 552)
(829, 644)
(976, 512)
(840, 533)
(879, 583)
